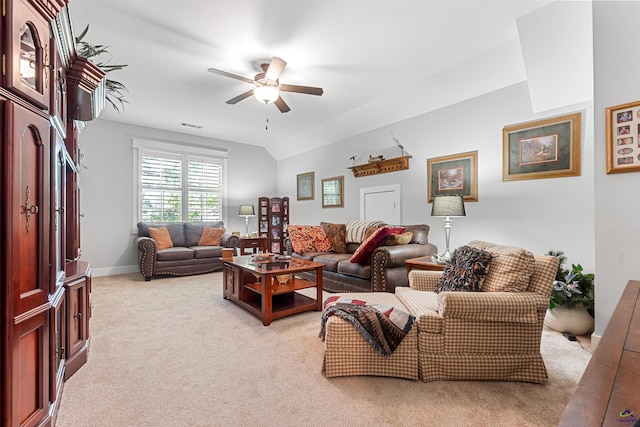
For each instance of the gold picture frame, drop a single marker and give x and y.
(454, 174)
(332, 192)
(305, 186)
(548, 148)
(623, 138)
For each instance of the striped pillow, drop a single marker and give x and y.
(356, 230)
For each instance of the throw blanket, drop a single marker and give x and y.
(382, 326)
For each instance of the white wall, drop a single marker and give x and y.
(107, 189)
(617, 230)
(539, 214)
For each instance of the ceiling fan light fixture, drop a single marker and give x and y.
(266, 94)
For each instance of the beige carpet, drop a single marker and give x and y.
(173, 352)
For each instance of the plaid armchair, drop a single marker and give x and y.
(489, 335)
(481, 335)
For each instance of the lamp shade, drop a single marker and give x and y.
(246, 210)
(266, 94)
(449, 205)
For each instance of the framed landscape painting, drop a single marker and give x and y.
(623, 138)
(548, 148)
(455, 174)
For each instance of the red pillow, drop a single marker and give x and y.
(367, 247)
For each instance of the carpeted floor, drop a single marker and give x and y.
(173, 352)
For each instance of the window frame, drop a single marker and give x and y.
(185, 151)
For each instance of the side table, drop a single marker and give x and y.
(423, 263)
(259, 244)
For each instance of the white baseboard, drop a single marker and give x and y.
(114, 271)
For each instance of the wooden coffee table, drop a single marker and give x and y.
(268, 288)
(423, 263)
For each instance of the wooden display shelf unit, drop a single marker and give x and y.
(383, 166)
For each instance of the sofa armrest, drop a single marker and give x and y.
(424, 280)
(147, 250)
(395, 256)
(230, 241)
(515, 307)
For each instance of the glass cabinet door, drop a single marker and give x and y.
(27, 50)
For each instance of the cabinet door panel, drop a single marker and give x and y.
(77, 320)
(31, 371)
(28, 219)
(27, 53)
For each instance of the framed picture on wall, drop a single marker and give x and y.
(623, 138)
(304, 185)
(548, 148)
(455, 174)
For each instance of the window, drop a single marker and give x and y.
(178, 186)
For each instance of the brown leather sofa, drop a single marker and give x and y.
(185, 257)
(384, 271)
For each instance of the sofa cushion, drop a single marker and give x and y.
(211, 236)
(362, 271)
(420, 232)
(511, 267)
(161, 237)
(193, 231)
(178, 253)
(200, 252)
(367, 247)
(308, 238)
(356, 229)
(465, 271)
(398, 239)
(337, 235)
(330, 260)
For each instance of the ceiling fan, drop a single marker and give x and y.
(267, 85)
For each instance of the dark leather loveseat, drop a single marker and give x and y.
(384, 270)
(186, 257)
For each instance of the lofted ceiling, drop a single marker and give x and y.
(365, 54)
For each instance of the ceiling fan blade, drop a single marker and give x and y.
(233, 76)
(302, 89)
(275, 69)
(282, 106)
(240, 97)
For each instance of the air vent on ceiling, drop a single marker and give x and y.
(190, 125)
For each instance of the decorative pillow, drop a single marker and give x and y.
(161, 236)
(398, 239)
(511, 267)
(465, 271)
(211, 236)
(308, 238)
(367, 247)
(356, 230)
(369, 231)
(337, 235)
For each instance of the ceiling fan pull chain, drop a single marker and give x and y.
(266, 125)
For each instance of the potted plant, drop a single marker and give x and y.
(571, 303)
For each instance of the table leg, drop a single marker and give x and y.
(267, 305)
(319, 288)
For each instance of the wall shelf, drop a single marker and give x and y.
(383, 166)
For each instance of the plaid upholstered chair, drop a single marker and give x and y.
(493, 334)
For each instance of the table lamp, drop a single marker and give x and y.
(447, 206)
(246, 211)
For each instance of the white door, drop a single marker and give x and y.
(381, 203)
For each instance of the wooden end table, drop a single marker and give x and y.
(254, 286)
(423, 263)
(259, 244)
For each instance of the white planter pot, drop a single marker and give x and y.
(576, 320)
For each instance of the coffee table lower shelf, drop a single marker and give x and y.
(282, 305)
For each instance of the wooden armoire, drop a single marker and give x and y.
(46, 96)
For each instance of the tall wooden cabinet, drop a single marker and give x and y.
(44, 286)
(273, 218)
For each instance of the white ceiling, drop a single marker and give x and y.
(364, 53)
